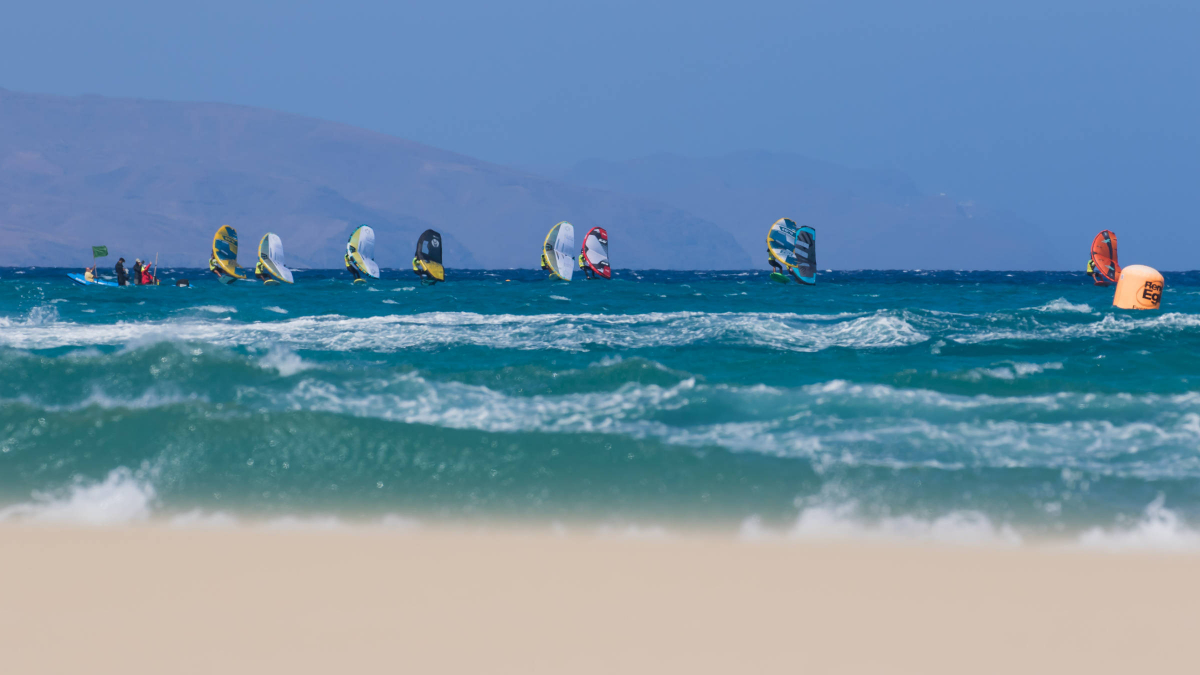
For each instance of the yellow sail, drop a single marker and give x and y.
(224, 250)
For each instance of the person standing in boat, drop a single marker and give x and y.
(122, 275)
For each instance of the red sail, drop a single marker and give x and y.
(595, 252)
(1104, 256)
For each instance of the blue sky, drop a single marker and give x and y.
(1075, 115)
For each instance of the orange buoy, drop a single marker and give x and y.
(1139, 287)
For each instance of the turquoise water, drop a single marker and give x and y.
(926, 404)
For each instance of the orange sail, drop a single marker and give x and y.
(1104, 256)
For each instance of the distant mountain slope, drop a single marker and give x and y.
(148, 176)
(864, 218)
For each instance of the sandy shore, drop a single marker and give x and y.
(159, 600)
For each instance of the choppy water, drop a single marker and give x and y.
(952, 405)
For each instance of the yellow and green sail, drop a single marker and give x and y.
(224, 250)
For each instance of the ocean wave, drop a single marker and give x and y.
(1159, 528)
(834, 424)
(284, 361)
(122, 497)
(1110, 326)
(566, 332)
(845, 520)
(1063, 305)
(1010, 370)
(213, 309)
(42, 315)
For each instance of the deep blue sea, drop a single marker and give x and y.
(929, 405)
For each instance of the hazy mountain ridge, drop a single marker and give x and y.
(152, 176)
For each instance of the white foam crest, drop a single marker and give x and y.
(46, 315)
(832, 424)
(1109, 326)
(844, 520)
(568, 332)
(1011, 370)
(277, 310)
(284, 361)
(120, 498)
(145, 400)
(1063, 305)
(1159, 528)
(215, 309)
(462, 406)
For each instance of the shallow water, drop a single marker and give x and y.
(957, 405)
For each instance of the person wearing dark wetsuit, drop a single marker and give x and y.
(137, 271)
(122, 275)
(351, 268)
(426, 277)
(774, 263)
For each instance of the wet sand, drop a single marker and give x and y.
(151, 599)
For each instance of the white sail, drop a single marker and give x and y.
(361, 248)
(274, 258)
(564, 250)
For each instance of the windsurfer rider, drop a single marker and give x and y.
(212, 267)
(774, 263)
(350, 264)
(260, 271)
(585, 267)
(426, 277)
(545, 264)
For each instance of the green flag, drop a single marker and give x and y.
(99, 251)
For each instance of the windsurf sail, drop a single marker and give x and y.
(429, 255)
(794, 247)
(806, 255)
(361, 249)
(595, 252)
(559, 250)
(224, 249)
(270, 252)
(1104, 256)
